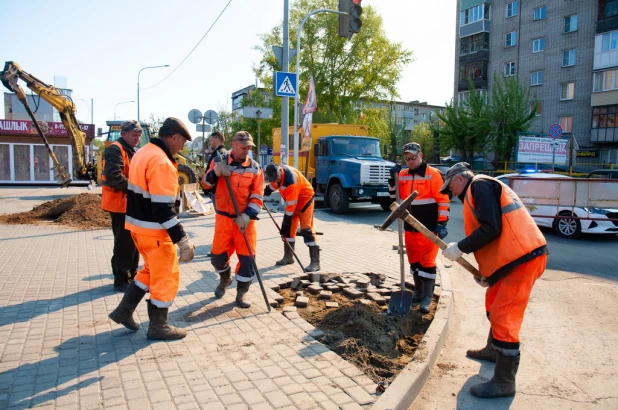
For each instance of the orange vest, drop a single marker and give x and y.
(520, 235)
(295, 189)
(112, 199)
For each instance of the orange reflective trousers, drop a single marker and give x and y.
(421, 251)
(227, 239)
(160, 274)
(506, 301)
(305, 218)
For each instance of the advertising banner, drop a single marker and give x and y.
(50, 129)
(541, 150)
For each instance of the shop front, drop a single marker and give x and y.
(24, 159)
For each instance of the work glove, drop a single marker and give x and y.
(394, 170)
(286, 226)
(452, 252)
(186, 248)
(221, 169)
(441, 231)
(242, 221)
(482, 282)
(268, 190)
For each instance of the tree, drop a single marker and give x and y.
(510, 113)
(423, 134)
(345, 71)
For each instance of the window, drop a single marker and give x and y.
(509, 69)
(609, 41)
(570, 23)
(539, 109)
(471, 44)
(511, 9)
(568, 57)
(566, 123)
(538, 45)
(472, 14)
(605, 117)
(511, 39)
(608, 8)
(536, 78)
(567, 90)
(471, 71)
(540, 12)
(605, 81)
(464, 97)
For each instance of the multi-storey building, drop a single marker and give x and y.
(566, 52)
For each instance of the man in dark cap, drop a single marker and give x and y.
(298, 195)
(114, 181)
(511, 253)
(153, 201)
(247, 183)
(215, 141)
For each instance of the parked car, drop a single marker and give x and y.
(604, 174)
(567, 227)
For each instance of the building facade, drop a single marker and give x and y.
(566, 52)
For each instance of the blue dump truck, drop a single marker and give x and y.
(343, 164)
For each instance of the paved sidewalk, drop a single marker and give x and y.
(59, 350)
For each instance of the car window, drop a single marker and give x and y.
(597, 175)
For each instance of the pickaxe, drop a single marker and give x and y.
(401, 211)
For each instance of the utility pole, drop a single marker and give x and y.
(285, 102)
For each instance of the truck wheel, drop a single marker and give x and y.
(186, 175)
(385, 204)
(338, 199)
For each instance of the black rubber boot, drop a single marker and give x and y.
(486, 353)
(159, 329)
(427, 285)
(123, 314)
(418, 288)
(225, 280)
(314, 253)
(288, 256)
(503, 382)
(241, 297)
(121, 281)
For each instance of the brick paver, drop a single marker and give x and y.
(59, 350)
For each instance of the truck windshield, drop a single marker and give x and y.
(356, 147)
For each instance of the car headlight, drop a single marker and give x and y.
(361, 191)
(598, 211)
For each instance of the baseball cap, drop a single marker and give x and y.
(271, 172)
(455, 170)
(412, 147)
(173, 126)
(131, 125)
(244, 138)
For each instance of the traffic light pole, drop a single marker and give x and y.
(296, 97)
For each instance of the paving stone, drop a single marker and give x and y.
(292, 315)
(325, 294)
(278, 399)
(289, 309)
(332, 305)
(296, 283)
(314, 289)
(364, 301)
(301, 301)
(314, 277)
(305, 283)
(352, 293)
(332, 288)
(376, 297)
(316, 334)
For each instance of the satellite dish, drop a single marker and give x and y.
(195, 116)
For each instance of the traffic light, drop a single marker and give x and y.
(350, 24)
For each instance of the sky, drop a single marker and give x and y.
(101, 46)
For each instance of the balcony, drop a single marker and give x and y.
(474, 28)
(607, 24)
(477, 55)
(479, 83)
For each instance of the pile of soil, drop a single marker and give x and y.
(81, 211)
(379, 344)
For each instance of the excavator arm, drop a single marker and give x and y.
(81, 168)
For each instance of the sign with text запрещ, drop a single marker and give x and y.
(539, 150)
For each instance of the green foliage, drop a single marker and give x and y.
(345, 71)
(154, 124)
(423, 134)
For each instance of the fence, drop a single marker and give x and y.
(579, 170)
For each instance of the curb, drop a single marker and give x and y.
(410, 382)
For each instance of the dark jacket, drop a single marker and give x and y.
(220, 151)
(114, 165)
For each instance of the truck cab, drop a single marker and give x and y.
(350, 169)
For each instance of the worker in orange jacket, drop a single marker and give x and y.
(114, 181)
(153, 202)
(511, 253)
(298, 195)
(431, 208)
(247, 182)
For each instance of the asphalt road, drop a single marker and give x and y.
(593, 255)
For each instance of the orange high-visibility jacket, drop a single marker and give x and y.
(520, 236)
(295, 189)
(153, 195)
(112, 199)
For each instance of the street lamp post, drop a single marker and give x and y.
(124, 102)
(90, 107)
(140, 71)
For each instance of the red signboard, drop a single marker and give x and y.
(50, 129)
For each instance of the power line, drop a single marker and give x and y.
(192, 50)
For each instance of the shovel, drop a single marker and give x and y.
(400, 302)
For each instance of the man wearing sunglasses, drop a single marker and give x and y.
(431, 208)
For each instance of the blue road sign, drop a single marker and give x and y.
(555, 131)
(285, 84)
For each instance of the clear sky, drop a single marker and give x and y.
(100, 46)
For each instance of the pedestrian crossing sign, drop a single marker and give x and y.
(285, 84)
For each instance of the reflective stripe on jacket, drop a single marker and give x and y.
(153, 195)
(112, 199)
(295, 189)
(519, 237)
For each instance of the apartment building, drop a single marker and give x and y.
(565, 51)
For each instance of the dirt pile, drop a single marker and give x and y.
(363, 333)
(81, 211)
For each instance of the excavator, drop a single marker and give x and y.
(82, 169)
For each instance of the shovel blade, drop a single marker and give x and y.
(400, 303)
